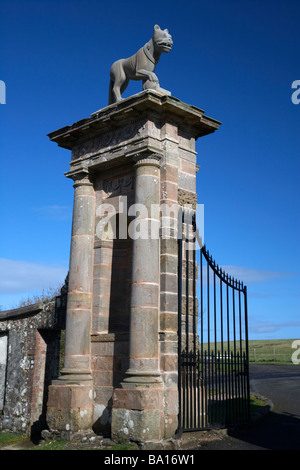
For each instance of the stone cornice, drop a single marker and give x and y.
(132, 109)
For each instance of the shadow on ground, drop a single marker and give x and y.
(275, 431)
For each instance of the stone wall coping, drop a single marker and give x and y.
(32, 309)
(135, 107)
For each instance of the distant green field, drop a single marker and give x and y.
(272, 350)
(276, 351)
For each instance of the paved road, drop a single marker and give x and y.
(280, 428)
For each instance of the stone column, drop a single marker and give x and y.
(136, 413)
(77, 367)
(71, 395)
(144, 322)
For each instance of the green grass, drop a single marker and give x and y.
(9, 438)
(268, 351)
(255, 404)
(271, 351)
(53, 445)
(67, 445)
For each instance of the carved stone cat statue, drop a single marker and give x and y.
(140, 66)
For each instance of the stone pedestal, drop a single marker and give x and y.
(134, 165)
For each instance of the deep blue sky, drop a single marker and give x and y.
(234, 59)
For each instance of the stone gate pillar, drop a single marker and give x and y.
(120, 374)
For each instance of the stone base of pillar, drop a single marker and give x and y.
(136, 414)
(70, 408)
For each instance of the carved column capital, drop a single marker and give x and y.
(81, 177)
(152, 159)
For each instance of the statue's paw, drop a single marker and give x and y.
(150, 85)
(153, 78)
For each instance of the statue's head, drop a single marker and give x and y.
(162, 39)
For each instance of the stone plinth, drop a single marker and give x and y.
(134, 165)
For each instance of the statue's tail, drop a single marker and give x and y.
(110, 92)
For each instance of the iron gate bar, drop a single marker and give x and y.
(179, 431)
(187, 294)
(213, 382)
(201, 341)
(247, 354)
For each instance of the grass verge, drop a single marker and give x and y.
(10, 438)
(67, 445)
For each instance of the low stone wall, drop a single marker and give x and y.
(29, 360)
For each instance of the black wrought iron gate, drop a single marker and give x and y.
(213, 341)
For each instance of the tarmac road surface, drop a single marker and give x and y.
(280, 428)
